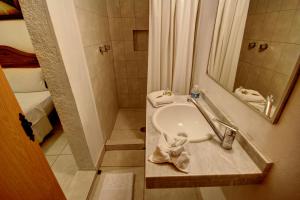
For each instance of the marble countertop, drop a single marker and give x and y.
(211, 165)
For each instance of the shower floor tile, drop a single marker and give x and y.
(130, 119)
(126, 134)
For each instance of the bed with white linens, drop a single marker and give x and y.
(26, 80)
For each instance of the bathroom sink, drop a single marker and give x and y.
(178, 119)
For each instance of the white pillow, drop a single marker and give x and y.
(25, 79)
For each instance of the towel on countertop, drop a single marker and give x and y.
(160, 98)
(249, 95)
(172, 150)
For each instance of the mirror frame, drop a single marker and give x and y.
(283, 100)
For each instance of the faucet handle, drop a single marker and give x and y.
(228, 138)
(229, 134)
(227, 125)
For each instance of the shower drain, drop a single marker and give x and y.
(143, 129)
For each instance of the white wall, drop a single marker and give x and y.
(280, 141)
(65, 24)
(14, 33)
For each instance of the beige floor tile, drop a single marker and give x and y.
(67, 150)
(130, 119)
(138, 183)
(117, 186)
(124, 158)
(126, 134)
(80, 186)
(173, 194)
(211, 193)
(51, 159)
(64, 169)
(59, 157)
(54, 144)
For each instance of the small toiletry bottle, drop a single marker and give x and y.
(195, 92)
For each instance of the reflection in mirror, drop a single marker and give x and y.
(254, 52)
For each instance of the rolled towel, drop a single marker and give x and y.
(260, 106)
(249, 95)
(160, 98)
(172, 150)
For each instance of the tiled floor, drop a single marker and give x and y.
(173, 194)
(127, 126)
(126, 134)
(131, 162)
(60, 157)
(80, 185)
(126, 161)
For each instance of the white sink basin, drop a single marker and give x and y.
(178, 118)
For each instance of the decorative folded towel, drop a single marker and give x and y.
(160, 98)
(172, 150)
(249, 95)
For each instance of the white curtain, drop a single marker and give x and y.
(227, 39)
(171, 42)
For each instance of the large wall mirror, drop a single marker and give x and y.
(255, 52)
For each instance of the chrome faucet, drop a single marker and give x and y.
(229, 135)
(230, 130)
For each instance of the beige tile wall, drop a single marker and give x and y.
(130, 65)
(276, 22)
(94, 27)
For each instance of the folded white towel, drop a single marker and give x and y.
(172, 150)
(249, 95)
(160, 98)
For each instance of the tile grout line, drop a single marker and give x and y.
(56, 156)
